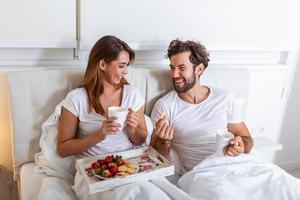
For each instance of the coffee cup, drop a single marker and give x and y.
(222, 140)
(118, 112)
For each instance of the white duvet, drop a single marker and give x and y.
(235, 178)
(239, 178)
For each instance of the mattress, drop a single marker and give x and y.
(33, 185)
(30, 182)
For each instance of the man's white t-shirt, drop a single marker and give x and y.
(77, 103)
(196, 125)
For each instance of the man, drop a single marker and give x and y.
(189, 116)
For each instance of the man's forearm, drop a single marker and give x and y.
(248, 143)
(163, 147)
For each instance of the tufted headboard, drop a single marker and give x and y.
(34, 95)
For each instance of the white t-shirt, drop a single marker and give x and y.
(77, 103)
(196, 125)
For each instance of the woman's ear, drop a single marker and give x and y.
(199, 69)
(102, 64)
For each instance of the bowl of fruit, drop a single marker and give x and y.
(113, 166)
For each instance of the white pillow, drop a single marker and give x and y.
(48, 160)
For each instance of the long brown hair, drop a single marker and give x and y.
(108, 49)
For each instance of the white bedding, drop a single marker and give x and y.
(149, 190)
(235, 178)
(242, 177)
(30, 182)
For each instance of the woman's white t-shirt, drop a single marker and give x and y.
(196, 125)
(77, 103)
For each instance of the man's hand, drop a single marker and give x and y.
(235, 147)
(163, 131)
(162, 136)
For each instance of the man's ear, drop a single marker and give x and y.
(199, 69)
(102, 64)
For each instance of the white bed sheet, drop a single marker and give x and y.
(246, 177)
(31, 182)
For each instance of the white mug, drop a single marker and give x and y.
(118, 112)
(222, 140)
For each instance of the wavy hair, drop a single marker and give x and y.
(198, 51)
(107, 48)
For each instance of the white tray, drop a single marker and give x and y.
(161, 167)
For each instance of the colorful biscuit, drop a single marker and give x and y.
(162, 115)
(122, 168)
(130, 170)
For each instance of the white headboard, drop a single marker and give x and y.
(34, 94)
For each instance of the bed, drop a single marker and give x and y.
(34, 95)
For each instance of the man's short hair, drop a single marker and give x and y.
(198, 51)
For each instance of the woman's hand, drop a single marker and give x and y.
(132, 121)
(109, 126)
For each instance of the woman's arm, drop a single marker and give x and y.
(68, 144)
(136, 126)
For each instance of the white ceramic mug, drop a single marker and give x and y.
(222, 140)
(118, 112)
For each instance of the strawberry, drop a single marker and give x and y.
(113, 170)
(108, 159)
(101, 162)
(120, 162)
(94, 165)
(106, 173)
(109, 174)
(104, 167)
(97, 171)
(111, 164)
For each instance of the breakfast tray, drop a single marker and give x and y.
(151, 165)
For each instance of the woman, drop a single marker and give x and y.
(84, 126)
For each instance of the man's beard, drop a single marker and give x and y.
(189, 83)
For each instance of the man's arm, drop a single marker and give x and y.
(242, 143)
(161, 137)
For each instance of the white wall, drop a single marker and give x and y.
(290, 128)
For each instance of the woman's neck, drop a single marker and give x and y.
(109, 89)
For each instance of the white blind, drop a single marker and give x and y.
(38, 23)
(228, 24)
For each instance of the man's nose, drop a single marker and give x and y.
(174, 73)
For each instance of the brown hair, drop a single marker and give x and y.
(198, 51)
(108, 49)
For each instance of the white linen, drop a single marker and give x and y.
(48, 161)
(30, 182)
(243, 177)
(146, 190)
(55, 188)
